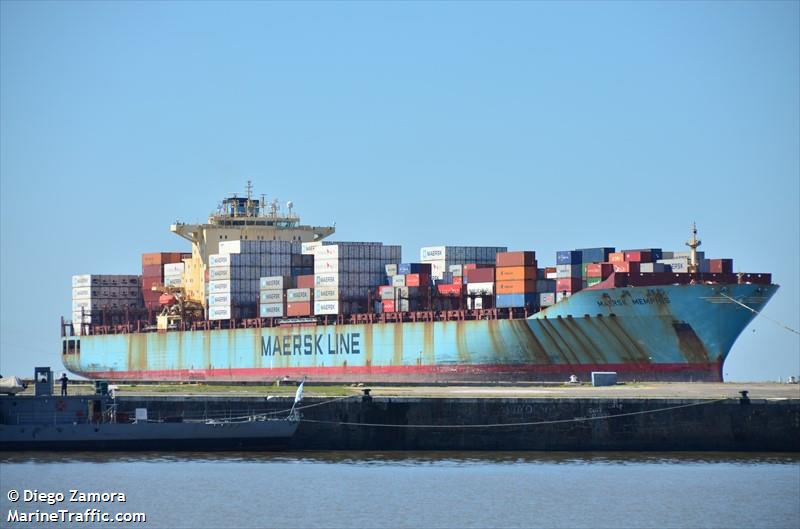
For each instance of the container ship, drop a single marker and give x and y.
(261, 297)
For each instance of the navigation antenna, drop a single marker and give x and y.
(693, 243)
(249, 209)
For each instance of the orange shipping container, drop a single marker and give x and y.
(515, 287)
(616, 257)
(516, 259)
(298, 308)
(515, 273)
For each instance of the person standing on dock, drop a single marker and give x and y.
(64, 381)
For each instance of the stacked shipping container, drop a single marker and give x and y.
(93, 293)
(442, 257)
(346, 272)
(516, 275)
(153, 274)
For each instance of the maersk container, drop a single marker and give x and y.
(219, 273)
(326, 293)
(298, 294)
(85, 293)
(438, 269)
(390, 269)
(326, 307)
(568, 257)
(270, 310)
(219, 299)
(173, 281)
(219, 287)
(308, 248)
(516, 300)
(270, 296)
(326, 252)
(326, 280)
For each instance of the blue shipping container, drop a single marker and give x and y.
(517, 300)
(413, 268)
(595, 255)
(568, 257)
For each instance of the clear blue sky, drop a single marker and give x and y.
(542, 126)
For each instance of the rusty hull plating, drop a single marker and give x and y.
(668, 332)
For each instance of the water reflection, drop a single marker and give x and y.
(416, 458)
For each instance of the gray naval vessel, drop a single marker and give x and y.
(90, 422)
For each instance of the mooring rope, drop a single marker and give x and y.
(512, 424)
(758, 313)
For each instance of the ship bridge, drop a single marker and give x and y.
(240, 218)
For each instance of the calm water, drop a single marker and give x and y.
(419, 490)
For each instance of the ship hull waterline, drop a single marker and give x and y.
(669, 333)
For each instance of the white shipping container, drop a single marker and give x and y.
(551, 275)
(475, 303)
(270, 296)
(330, 251)
(432, 253)
(678, 265)
(173, 281)
(215, 274)
(230, 247)
(398, 281)
(326, 266)
(326, 294)
(273, 283)
(480, 288)
(308, 248)
(219, 313)
(85, 292)
(219, 287)
(83, 280)
(219, 259)
(326, 307)
(546, 299)
(438, 268)
(172, 269)
(326, 280)
(219, 299)
(390, 269)
(456, 270)
(562, 295)
(387, 293)
(270, 310)
(298, 294)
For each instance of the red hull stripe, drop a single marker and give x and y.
(644, 371)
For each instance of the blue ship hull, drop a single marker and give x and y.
(668, 332)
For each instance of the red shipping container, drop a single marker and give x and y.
(527, 258)
(298, 308)
(449, 290)
(638, 256)
(161, 258)
(568, 284)
(387, 306)
(305, 281)
(473, 266)
(626, 267)
(148, 282)
(418, 280)
(457, 280)
(480, 275)
(601, 270)
(720, 266)
(550, 270)
(153, 271)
